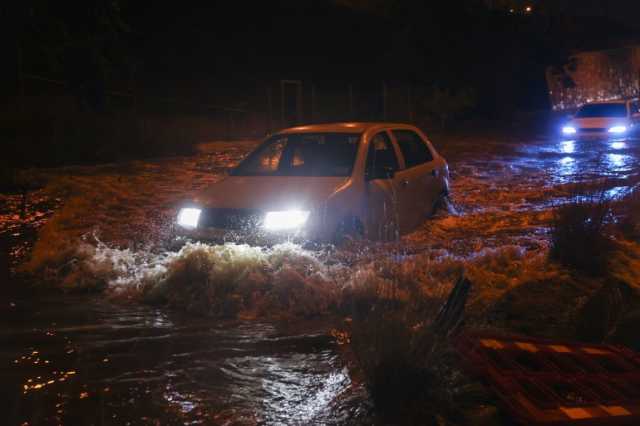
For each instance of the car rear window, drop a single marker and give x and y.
(303, 154)
(413, 148)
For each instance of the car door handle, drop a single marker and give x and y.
(404, 182)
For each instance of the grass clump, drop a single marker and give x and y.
(399, 336)
(627, 212)
(579, 235)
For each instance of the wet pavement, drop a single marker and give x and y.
(95, 360)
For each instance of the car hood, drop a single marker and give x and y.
(599, 122)
(270, 192)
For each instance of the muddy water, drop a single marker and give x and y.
(80, 360)
(504, 190)
(89, 360)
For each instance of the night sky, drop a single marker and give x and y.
(625, 11)
(221, 48)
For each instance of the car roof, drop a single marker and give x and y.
(347, 127)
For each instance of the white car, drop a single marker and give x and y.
(324, 182)
(613, 119)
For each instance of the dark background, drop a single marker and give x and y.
(220, 64)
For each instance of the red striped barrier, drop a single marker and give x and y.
(545, 382)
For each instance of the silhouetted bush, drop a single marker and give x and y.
(400, 349)
(395, 360)
(579, 238)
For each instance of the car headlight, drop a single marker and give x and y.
(569, 130)
(189, 217)
(618, 129)
(285, 220)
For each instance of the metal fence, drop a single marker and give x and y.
(50, 117)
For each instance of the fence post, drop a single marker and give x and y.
(409, 104)
(313, 102)
(298, 98)
(20, 77)
(384, 101)
(351, 110)
(299, 110)
(282, 104)
(269, 111)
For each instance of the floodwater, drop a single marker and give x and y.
(92, 359)
(78, 360)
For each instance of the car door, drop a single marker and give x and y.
(382, 189)
(418, 178)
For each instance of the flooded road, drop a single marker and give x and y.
(78, 360)
(105, 360)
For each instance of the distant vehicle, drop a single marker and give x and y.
(324, 183)
(615, 119)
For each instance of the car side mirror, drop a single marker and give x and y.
(383, 172)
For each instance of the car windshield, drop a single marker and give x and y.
(302, 154)
(602, 110)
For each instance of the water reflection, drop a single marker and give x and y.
(568, 147)
(298, 389)
(567, 167)
(588, 159)
(616, 162)
(617, 192)
(618, 145)
(185, 403)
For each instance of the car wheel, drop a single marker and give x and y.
(349, 229)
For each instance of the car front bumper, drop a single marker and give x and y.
(251, 236)
(245, 226)
(599, 133)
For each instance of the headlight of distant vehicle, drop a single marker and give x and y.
(569, 130)
(285, 220)
(189, 217)
(618, 129)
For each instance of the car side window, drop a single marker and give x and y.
(413, 148)
(381, 155)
